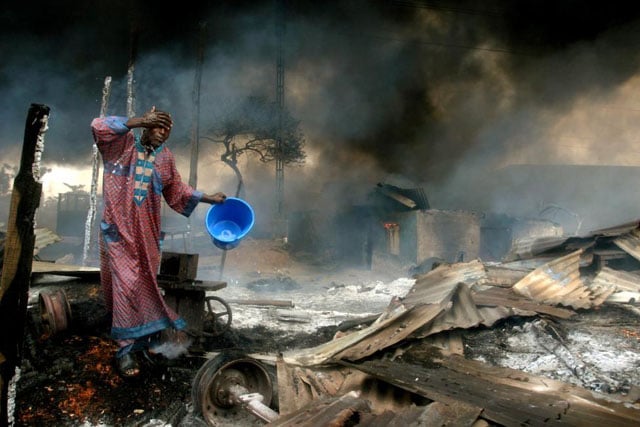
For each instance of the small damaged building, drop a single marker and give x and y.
(400, 222)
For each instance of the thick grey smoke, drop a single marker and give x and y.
(441, 94)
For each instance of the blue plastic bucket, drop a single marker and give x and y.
(229, 222)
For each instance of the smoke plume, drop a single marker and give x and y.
(451, 96)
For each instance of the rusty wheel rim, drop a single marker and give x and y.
(55, 312)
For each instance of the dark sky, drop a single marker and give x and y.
(416, 90)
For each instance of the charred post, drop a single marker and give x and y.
(18, 254)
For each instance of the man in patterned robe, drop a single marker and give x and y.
(138, 173)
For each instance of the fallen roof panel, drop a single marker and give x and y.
(630, 243)
(557, 282)
(493, 296)
(436, 285)
(507, 396)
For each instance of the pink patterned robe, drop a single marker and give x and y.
(134, 183)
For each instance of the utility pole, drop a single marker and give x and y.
(133, 53)
(195, 125)
(280, 214)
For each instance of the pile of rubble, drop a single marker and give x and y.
(418, 347)
(466, 343)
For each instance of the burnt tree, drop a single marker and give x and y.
(254, 127)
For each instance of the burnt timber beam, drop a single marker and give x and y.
(18, 254)
(398, 197)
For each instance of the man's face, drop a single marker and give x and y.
(155, 137)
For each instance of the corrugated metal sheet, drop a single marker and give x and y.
(499, 275)
(439, 300)
(393, 333)
(616, 230)
(492, 296)
(630, 243)
(491, 315)
(442, 300)
(528, 264)
(325, 352)
(557, 282)
(436, 285)
(528, 247)
(44, 238)
(462, 313)
(600, 291)
(622, 280)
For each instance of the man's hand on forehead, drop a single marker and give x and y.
(154, 118)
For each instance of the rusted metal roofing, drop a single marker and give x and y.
(491, 315)
(325, 352)
(441, 291)
(440, 300)
(630, 243)
(617, 285)
(503, 297)
(44, 238)
(460, 313)
(621, 280)
(532, 246)
(507, 397)
(434, 286)
(600, 290)
(557, 282)
(616, 230)
(499, 275)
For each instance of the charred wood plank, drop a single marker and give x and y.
(18, 254)
(397, 197)
(273, 302)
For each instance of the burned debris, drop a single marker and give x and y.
(416, 348)
(434, 355)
